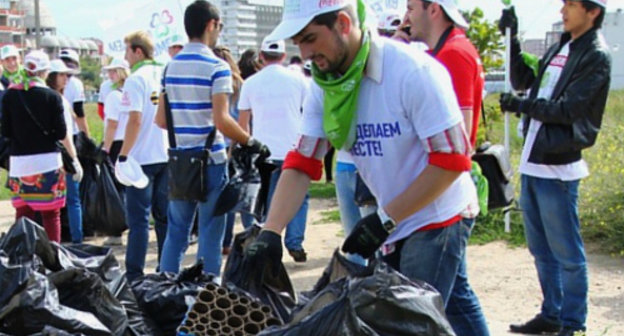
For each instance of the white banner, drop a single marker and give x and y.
(162, 19)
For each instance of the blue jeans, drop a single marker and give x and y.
(247, 220)
(350, 213)
(74, 209)
(552, 230)
(139, 202)
(438, 257)
(211, 229)
(295, 230)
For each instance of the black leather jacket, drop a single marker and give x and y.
(572, 116)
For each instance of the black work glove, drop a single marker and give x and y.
(256, 147)
(366, 237)
(264, 252)
(510, 103)
(508, 20)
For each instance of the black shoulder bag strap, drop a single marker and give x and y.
(442, 40)
(170, 128)
(67, 160)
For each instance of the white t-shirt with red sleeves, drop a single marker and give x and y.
(74, 93)
(112, 111)
(567, 172)
(405, 97)
(140, 94)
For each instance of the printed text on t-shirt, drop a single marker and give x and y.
(368, 138)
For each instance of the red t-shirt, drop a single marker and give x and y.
(463, 63)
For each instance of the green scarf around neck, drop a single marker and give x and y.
(146, 61)
(15, 77)
(341, 93)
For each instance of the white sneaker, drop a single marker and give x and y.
(113, 241)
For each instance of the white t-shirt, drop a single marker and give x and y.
(74, 92)
(567, 172)
(405, 97)
(140, 94)
(105, 88)
(275, 97)
(112, 111)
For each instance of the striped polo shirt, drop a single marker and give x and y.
(191, 79)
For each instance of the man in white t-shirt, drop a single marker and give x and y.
(404, 129)
(74, 90)
(561, 117)
(144, 144)
(273, 97)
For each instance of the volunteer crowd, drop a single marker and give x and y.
(398, 104)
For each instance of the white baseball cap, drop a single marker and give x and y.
(299, 13)
(601, 3)
(70, 54)
(389, 20)
(8, 51)
(176, 40)
(130, 173)
(450, 8)
(117, 63)
(59, 66)
(273, 46)
(36, 61)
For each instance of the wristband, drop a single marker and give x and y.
(122, 158)
(386, 221)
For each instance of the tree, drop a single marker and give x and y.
(90, 72)
(486, 38)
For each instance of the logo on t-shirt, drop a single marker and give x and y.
(369, 136)
(125, 99)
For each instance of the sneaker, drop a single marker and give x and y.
(536, 325)
(112, 241)
(298, 255)
(571, 332)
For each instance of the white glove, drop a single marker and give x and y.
(77, 177)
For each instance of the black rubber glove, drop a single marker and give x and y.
(265, 252)
(256, 147)
(510, 103)
(366, 237)
(508, 20)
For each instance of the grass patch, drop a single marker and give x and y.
(322, 190)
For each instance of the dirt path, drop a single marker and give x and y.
(504, 278)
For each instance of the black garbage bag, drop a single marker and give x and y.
(13, 278)
(275, 291)
(102, 203)
(379, 301)
(100, 260)
(37, 306)
(83, 290)
(166, 297)
(27, 239)
(85, 146)
(241, 192)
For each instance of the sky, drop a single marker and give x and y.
(79, 18)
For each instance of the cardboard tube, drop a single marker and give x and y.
(192, 315)
(206, 297)
(238, 333)
(200, 328)
(204, 320)
(244, 301)
(225, 330)
(251, 328)
(218, 315)
(235, 322)
(215, 325)
(221, 291)
(200, 308)
(184, 330)
(223, 303)
(254, 305)
(240, 310)
(211, 332)
(266, 310)
(234, 297)
(211, 287)
(272, 321)
(190, 323)
(257, 316)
